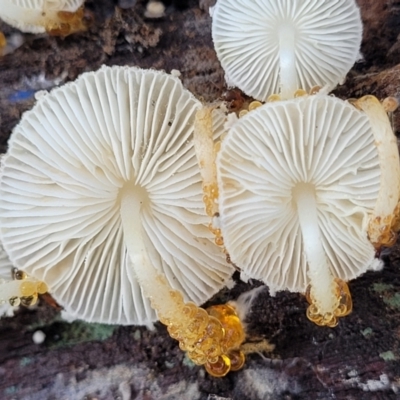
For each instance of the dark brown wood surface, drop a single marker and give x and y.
(359, 359)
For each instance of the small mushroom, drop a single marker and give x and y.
(100, 193)
(385, 219)
(61, 17)
(271, 46)
(298, 181)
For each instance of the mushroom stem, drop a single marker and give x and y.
(287, 61)
(214, 339)
(384, 220)
(323, 285)
(164, 299)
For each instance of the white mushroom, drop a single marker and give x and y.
(271, 46)
(384, 220)
(38, 16)
(297, 182)
(101, 197)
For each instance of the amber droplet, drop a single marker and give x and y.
(28, 288)
(273, 97)
(344, 306)
(14, 301)
(3, 40)
(19, 275)
(315, 89)
(219, 368)
(237, 358)
(390, 104)
(41, 287)
(66, 16)
(254, 104)
(29, 300)
(219, 241)
(300, 93)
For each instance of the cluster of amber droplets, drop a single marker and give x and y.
(211, 338)
(29, 290)
(389, 228)
(344, 306)
(68, 23)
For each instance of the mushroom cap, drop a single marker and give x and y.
(31, 15)
(246, 34)
(267, 155)
(60, 194)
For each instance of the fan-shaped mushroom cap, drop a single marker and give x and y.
(268, 45)
(275, 166)
(69, 163)
(35, 16)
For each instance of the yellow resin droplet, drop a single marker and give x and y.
(3, 40)
(14, 301)
(273, 97)
(390, 104)
(41, 287)
(243, 113)
(68, 23)
(28, 288)
(343, 308)
(20, 275)
(29, 300)
(254, 104)
(219, 368)
(315, 89)
(208, 336)
(300, 93)
(237, 358)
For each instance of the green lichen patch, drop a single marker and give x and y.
(382, 287)
(393, 300)
(79, 332)
(367, 332)
(137, 335)
(25, 361)
(388, 293)
(388, 356)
